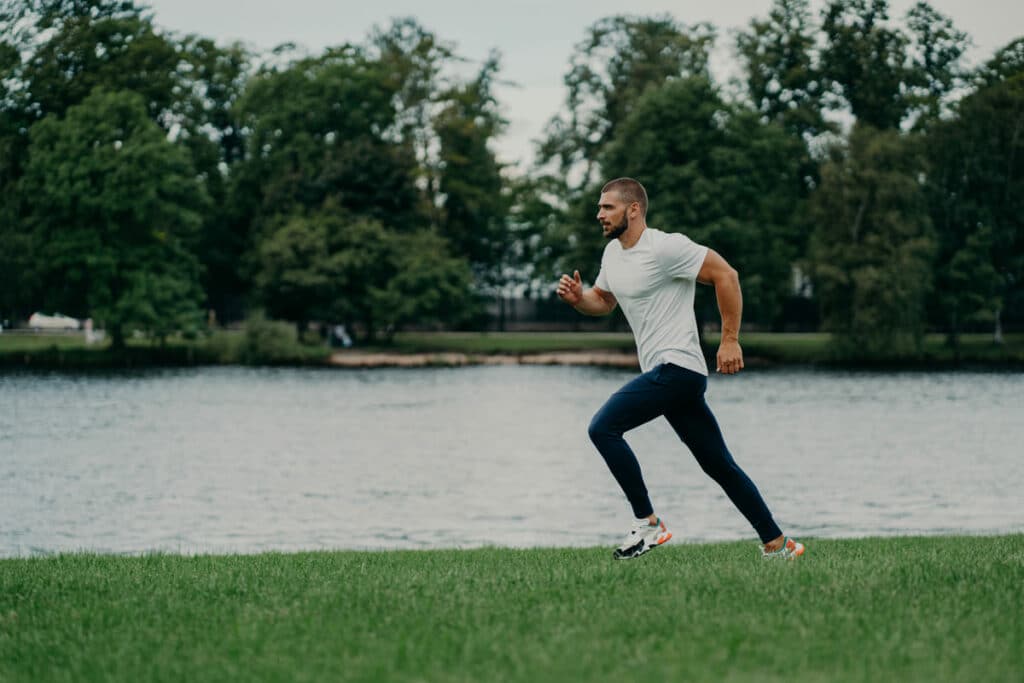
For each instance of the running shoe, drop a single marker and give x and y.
(790, 550)
(641, 538)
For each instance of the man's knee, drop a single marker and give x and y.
(600, 429)
(720, 466)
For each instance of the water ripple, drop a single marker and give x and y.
(250, 460)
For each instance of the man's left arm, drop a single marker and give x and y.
(716, 271)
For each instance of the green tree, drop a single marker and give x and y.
(211, 80)
(865, 60)
(79, 45)
(426, 284)
(474, 204)
(114, 209)
(976, 183)
(716, 172)
(872, 246)
(334, 267)
(936, 67)
(1004, 65)
(16, 283)
(294, 280)
(620, 58)
(73, 47)
(317, 129)
(782, 78)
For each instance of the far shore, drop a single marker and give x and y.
(463, 349)
(358, 359)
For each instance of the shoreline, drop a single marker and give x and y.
(359, 359)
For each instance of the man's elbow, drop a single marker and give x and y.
(727, 276)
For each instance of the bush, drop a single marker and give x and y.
(273, 342)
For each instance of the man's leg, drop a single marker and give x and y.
(693, 421)
(636, 403)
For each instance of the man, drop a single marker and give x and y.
(653, 275)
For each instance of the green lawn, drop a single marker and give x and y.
(510, 342)
(910, 609)
(15, 343)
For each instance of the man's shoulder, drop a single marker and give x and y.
(673, 240)
(611, 248)
(662, 235)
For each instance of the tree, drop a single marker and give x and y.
(716, 172)
(114, 209)
(206, 122)
(620, 58)
(294, 280)
(474, 206)
(936, 67)
(1004, 65)
(872, 246)
(783, 80)
(16, 283)
(317, 129)
(865, 60)
(73, 47)
(79, 45)
(330, 266)
(427, 284)
(976, 183)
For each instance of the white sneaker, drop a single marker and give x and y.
(642, 537)
(790, 550)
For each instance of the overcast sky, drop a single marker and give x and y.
(535, 37)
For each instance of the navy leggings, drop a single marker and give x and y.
(678, 394)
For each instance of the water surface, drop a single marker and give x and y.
(248, 460)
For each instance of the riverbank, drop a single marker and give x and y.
(358, 359)
(454, 349)
(906, 609)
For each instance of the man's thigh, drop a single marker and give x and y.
(639, 401)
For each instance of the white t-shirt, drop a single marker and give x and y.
(654, 282)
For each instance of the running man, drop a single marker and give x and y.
(653, 275)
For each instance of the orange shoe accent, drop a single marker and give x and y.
(665, 540)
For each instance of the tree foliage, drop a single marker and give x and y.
(977, 203)
(147, 175)
(114, 210)
(783, 78)
(620, 58)
(713, 171)
(872, 246)
(329, 266)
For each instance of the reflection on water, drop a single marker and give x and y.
(243, 460)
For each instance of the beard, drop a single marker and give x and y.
(617, 230)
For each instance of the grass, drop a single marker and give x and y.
(898, 609)
(510, 342)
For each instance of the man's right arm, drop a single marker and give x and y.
(593, 301)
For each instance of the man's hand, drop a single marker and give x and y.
(730, 357)
(570, 289)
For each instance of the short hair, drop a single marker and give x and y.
(629, 191)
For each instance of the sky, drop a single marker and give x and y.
(534, 37)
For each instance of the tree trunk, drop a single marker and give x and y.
(116, 338)
(953, 338)
(997, 334)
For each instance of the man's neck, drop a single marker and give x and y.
(632, 235)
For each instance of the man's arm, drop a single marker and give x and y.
(716, 271)
(593, 301)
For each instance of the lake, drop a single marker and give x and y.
(229, 459)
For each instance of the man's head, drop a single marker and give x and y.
(622, 200)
